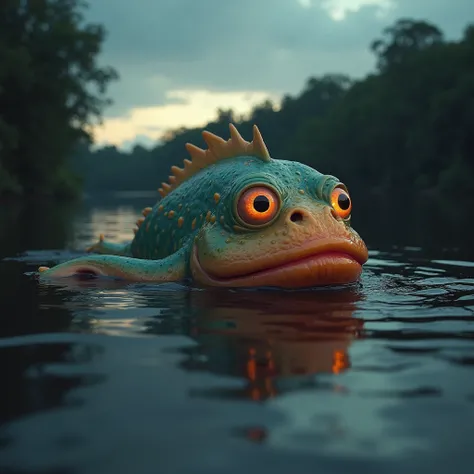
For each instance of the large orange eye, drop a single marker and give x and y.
(258, 205)
(341, 202)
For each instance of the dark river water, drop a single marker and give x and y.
(116, 378)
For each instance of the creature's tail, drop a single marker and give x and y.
(109, 248)
(108, 264)
(105, 248)
(171, 268)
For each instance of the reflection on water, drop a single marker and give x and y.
(105, 376)
(272, 340)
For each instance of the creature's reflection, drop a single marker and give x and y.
(270, 338)
(276, 340)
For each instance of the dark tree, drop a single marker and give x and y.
(51, 91)
(405, 37)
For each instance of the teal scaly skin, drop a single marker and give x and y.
(235, 217)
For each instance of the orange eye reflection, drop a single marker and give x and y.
(258, 205)
(341, 202)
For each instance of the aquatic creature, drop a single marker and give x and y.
(235, 217)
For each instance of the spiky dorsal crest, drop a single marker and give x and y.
(218, 149)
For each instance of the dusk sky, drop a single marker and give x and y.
(180, 60)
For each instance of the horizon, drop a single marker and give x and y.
(173, 72)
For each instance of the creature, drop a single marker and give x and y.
(235, 217)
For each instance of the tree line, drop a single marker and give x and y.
(403, 134)
(52, 92)
(400, 137)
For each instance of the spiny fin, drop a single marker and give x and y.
(146, 211)
(91, 247)
(218, 149)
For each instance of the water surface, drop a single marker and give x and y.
(110, 377)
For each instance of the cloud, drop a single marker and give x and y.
(247, 45)
(452, 16)
(228, 48)
(339, 9)
(197, 106)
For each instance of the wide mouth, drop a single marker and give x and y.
(316, 263)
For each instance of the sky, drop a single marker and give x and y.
(181, 60)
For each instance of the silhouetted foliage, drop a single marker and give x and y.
(51, 91)
(400, 138)
(110, 168)
(402, 39)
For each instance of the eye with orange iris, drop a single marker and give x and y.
(258, 206)
(341, 202)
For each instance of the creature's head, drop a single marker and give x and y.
(277, 223)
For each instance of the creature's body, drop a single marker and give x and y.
(235, 217)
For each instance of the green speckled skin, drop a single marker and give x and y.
(201, 213)
(193, 200)
(160, 235)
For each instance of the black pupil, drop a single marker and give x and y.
(261, 203)
(343, 201)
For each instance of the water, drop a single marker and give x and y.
(100, 378)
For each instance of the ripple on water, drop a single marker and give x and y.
(373, 373)
(455, 263)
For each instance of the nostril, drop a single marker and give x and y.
(296, 216)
